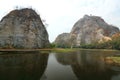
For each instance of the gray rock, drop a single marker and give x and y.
(23, 29)
(92, 29)
(63, 40)
(87, 30)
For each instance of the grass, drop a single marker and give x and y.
(113, 60)
(116, 59)
(63, 50)
(57, 50)
(47, 50)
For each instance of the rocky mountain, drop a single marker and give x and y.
(63, 40)
(23, 29)
(90, 29)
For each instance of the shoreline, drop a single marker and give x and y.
(55, 49)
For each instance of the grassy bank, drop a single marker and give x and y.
(63, 50)
(56, 50)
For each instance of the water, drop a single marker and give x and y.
(22, 65)
(79, 65)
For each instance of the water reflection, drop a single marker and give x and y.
(22, 65)
(92, 65)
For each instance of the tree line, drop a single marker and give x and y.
(111, 44)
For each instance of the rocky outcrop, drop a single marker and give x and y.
(23, 29)
(91, 29)
(63, 40)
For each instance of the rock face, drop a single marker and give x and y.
(23, 29)
(91, 29)
(63, 40)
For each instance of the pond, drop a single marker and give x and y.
(78, 65)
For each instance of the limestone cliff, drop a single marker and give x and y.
(90, 29)
(63, 40)
(23, 29)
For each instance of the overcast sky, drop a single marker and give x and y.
(62, 14)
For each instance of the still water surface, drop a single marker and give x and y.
(79, 65)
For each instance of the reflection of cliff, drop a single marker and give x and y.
(91, 67)
(88, 65)
(66, 58)
(26, 66)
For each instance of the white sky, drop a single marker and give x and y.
(62, 14)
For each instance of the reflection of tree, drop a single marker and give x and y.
(92, 67)
(22, 65)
